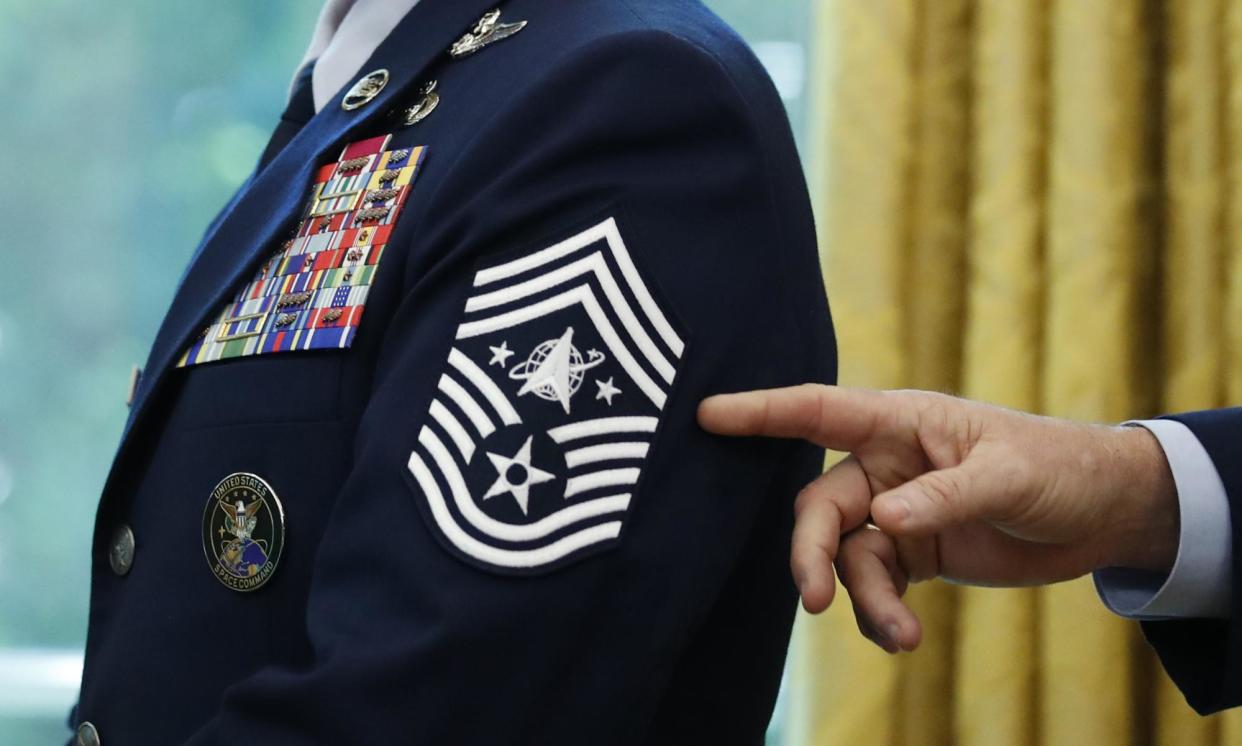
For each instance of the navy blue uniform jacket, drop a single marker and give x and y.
(502, 524)
(1204, 656)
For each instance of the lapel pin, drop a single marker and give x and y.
(367, 88)
(427, 102)
(489, 29)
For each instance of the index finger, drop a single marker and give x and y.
(834, 417)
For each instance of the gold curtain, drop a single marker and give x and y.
(1036, 203)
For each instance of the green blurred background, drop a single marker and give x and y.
(128, 125)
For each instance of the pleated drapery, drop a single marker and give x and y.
(1039, 204)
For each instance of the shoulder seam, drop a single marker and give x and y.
(766, 156)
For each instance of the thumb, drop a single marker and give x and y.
(943, 498)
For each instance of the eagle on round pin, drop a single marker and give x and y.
(367, 88)
(426, 103)
(243, 531)
(489, 29)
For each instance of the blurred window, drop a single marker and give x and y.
(128, 126)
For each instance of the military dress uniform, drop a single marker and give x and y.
(414, 458)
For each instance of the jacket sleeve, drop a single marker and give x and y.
(1204, 656)
(437, 614)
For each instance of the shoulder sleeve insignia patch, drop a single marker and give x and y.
(545, 411)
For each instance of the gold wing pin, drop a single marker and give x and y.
(488, 30)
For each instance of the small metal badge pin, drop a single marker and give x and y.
(243, 531)
(489, 29)
(371, 213)
(381, 195)
(353, 164)
(427, 102)
(366, 89)
(292, 300)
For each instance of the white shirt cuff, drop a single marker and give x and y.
(1200, 583)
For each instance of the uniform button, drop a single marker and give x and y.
(120, 554)
(87, 735)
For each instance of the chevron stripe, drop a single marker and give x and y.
(462, 398)
(593, 264)
(484, 384)
(603, 426)
(608, 232)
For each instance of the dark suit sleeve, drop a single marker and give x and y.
(422, 638)
(1204, 656)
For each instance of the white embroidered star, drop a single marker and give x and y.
(515, 475)
(500, 354)
(606, 390)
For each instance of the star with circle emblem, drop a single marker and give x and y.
(606, 390)
(515, 475)
(501, 354)
(555, 369)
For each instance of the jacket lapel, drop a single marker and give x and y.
(271, 202)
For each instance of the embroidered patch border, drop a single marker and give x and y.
(311, 292)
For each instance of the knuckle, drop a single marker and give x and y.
(803, 499)
(944, 488)
(874, 541)
(812, 390)
(845, 562)
(916, 562)
(868, 542)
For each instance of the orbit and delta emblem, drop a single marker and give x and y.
(555, 369)
(243, 531)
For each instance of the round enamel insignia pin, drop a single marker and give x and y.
(243, 531)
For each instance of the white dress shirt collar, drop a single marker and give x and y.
(346, 35)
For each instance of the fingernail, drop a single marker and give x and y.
(891, 631)
(881, 640)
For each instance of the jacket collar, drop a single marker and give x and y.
(269, 204)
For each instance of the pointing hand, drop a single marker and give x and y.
(956, 489)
